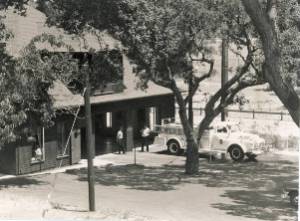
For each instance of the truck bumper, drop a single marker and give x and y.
(256, 152)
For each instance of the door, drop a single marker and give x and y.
(220, 138)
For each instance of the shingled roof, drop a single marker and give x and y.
(26, 28)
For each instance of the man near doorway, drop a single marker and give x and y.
(145, 137)
(120, 140)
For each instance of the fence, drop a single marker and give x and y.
(249, 114)
(277, 128)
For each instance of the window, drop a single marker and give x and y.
(109, 119)
(222, 130)
(62, 137)
(37, 140)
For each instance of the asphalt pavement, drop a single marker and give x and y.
(153, 186)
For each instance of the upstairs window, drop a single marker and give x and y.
(107, 72)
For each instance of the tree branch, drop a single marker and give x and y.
(210, 105)
(269, 6)
(197, 80)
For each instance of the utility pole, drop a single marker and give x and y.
(88, 135)
(224, 71)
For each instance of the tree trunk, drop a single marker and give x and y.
(192, 156)
(210, 115)
(206, 121)
(265, 27)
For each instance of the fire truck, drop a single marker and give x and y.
(220, 138)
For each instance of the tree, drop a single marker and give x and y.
(275, 35)
(25, 83)
(238, 30)
(163, 38)
(164, 44)
(9, 118)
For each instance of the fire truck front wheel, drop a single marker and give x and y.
(173, 147)
(236, 153)
(294, 198)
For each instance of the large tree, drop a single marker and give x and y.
(236, 28)
(163, 38)
(277, 23)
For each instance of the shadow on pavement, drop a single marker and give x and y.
(22, 182)
(262, 205)
(135, 176)
(253, 187)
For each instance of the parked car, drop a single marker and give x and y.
(291, 192)
(222, 137)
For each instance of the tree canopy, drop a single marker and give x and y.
(166, 38)
(274, 28)
(25, 83)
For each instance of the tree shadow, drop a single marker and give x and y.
(263, 205)
(137, 177)
(21, 182)
(254, 188)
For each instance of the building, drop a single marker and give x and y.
(118, 104)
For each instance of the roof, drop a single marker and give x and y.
(130, 81)
(63, 97)
(26, 28)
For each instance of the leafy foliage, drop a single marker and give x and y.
(25, 83)
(288, 29)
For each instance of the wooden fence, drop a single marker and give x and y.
(249, 114)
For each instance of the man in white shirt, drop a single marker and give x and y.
(145, 137)
(120, 140)
(38, 154)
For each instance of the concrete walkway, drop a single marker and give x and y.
(99, 161)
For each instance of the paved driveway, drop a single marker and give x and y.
(158, 189)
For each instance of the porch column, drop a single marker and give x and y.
(93, 137)
(129, 129)
(147, 116)
(158, 115)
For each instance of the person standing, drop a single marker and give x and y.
(120, 140)
(38, 154)
(145, 138)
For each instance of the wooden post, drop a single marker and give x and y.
(129, 130)
(224, 71)
(90, 150)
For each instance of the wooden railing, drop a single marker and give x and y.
(253, 114)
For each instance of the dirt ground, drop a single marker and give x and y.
(157, 189)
